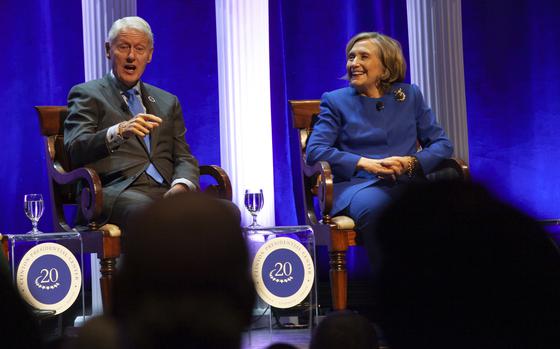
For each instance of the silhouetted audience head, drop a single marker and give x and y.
(185, 278)
(344, 330)
(18, 327)
(457, 268)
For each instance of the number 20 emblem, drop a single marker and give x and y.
(49, 277)
(283, 272)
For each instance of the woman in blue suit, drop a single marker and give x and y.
(369, 132)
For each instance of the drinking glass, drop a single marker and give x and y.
(33, 204)
(254, 201)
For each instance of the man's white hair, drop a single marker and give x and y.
(133, 22)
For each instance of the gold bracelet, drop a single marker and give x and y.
(411, 168)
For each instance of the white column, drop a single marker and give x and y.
(244, 84)
(435, 42)
(97, 18)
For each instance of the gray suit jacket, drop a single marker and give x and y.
(95, 106)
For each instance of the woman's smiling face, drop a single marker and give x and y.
(364, 67)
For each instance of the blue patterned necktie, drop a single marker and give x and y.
(136, 108)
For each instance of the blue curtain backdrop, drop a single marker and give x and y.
(511, 76)
(42, 59)
(512, 83)
(185, 63)
(307, 58)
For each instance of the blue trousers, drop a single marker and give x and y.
(365, 208)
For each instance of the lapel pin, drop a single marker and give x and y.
(151, 99)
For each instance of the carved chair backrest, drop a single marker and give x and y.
(304, 116)
(51, 121)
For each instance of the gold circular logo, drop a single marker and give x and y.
(283, 272)
(49, 277)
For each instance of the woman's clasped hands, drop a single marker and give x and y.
(387, 168)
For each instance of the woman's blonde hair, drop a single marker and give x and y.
(390, 55)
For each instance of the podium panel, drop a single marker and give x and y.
(283, 270)
(47, 271)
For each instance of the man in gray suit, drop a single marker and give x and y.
(130, 132)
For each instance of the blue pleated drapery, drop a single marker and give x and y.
(42, 58)
(512, 75)
(185, 63)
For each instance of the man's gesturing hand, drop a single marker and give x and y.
(140, 125)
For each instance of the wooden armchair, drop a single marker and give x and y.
(318, 186)
(64, 183)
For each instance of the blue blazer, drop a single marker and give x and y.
(351, 126)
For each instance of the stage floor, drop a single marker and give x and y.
(260, 339)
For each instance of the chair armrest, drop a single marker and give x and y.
(222, 188)
(450, 169)
(91, 195)
(318, 181)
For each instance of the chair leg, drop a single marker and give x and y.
(339, 280)
(338, 273)
(108, 261)
(108, 270)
